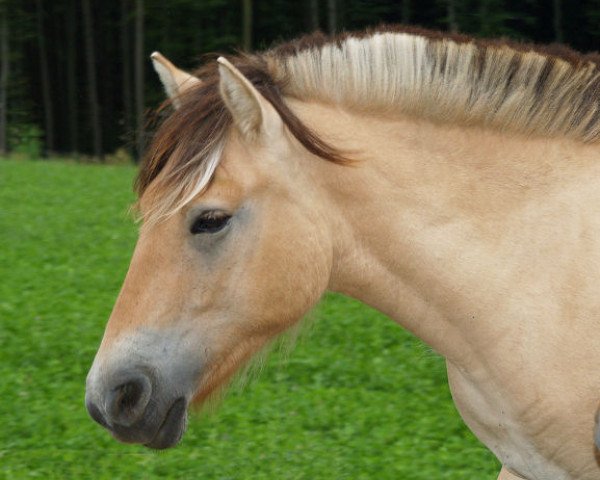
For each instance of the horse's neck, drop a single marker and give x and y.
(438, 227)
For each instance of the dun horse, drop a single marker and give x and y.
(451, 183)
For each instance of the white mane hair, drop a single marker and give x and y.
(508, 86)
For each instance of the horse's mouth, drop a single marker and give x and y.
(172, 428)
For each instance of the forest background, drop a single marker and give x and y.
(76, 80)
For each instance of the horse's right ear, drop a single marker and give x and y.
(174, 80)
(251, 112)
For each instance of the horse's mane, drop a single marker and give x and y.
(539, 90)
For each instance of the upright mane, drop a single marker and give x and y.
(444, 78)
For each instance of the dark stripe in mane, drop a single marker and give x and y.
(318, 40)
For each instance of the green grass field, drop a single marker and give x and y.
(358, 398)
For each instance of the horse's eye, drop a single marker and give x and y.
(210, 222)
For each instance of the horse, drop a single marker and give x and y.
(451, 183)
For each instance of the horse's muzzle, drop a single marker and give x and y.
(134, 412)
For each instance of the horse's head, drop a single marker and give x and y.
(234, 249)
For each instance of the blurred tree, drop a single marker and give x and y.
(314, 15)
(247, 25)
(139, 76)
(4, 72)
(72, 107)
(591, 12)
(487, 24)
(558, 29)
(92, 86)
(451, 12)
(496, 18)
(126, 72)
(406, 11)
(45, 78)
(332, 16)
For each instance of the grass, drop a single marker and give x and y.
(359, 398)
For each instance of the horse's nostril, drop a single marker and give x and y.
(127, 401)
(128, 395)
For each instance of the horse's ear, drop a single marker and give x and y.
(251, 112)
(174, 80)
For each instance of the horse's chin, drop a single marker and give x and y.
(172, 428)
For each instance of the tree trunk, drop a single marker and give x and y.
(452, 22)
(139, 76)
(405, 11)
(247, 25)
(332, 16)
(558, 29)
(72, 79)
(4, 66)
(314, 15)
(126, 63)
(92, 79)
(45, 79)
(484, 11)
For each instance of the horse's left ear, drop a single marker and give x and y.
(174, 80)
(252, 113)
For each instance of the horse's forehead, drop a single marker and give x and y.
(232, 181)
(241, 165)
